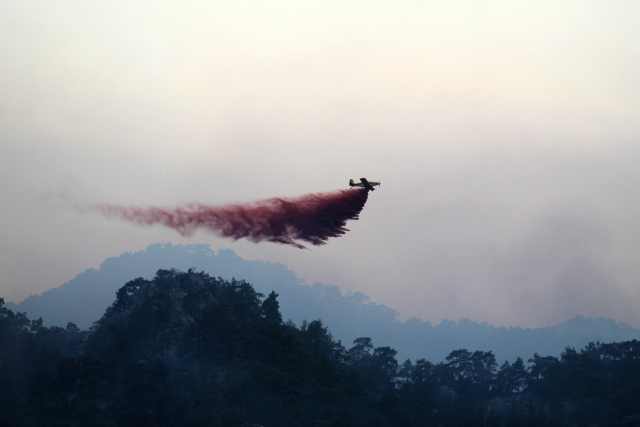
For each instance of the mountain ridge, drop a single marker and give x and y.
(84, 299)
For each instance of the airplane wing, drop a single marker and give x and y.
(366, 184)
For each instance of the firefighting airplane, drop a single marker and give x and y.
(364, 183)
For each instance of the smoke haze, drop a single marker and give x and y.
(506, 134)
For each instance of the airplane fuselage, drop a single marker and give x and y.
(364, 183)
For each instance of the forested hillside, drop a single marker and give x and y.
(187, 349)
(349, 316)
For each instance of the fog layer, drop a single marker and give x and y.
(505, 135)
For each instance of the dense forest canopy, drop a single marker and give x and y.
(188, 349)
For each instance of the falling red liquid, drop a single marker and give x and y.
(312, 218)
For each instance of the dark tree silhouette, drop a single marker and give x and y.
(271, 308)
(187, 349)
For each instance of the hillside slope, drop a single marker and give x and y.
(84, 299)
(187, 349)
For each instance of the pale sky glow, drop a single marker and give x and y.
(506, 136)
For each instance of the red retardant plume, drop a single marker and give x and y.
(312, 218)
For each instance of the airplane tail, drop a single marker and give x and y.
(351, 183)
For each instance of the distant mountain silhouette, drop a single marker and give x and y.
(85, 298)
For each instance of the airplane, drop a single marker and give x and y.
(364, 183)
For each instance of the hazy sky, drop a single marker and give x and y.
(506, 135)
